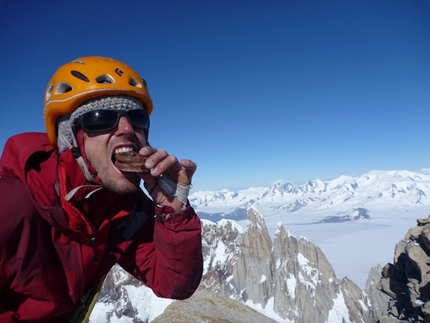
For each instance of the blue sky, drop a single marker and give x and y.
(253, 91)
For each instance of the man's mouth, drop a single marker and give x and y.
(121, 150)
(129, 161)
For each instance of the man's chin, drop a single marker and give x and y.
(127, 185)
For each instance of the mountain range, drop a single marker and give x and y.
(345, 217)
(373, 190)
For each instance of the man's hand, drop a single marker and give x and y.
(160, 162)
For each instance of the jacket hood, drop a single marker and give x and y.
(31, 158)
(50, 176)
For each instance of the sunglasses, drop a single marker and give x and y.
(104, 120)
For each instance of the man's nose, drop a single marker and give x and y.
(124, 126)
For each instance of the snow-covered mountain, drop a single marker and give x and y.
(345, 217)
(395, 189)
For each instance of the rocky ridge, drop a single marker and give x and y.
(406, 281)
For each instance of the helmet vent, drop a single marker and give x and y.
(105, 79)
(134, 82)
(78, 61)
(63, 87)
(49, 92)
(79, 75)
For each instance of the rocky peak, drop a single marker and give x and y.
(289, 277)
(253, 270)
(406, 281)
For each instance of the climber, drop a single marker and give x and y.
(68, 213)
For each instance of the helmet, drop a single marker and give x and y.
(86, 78)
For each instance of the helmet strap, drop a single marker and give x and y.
(78, 157)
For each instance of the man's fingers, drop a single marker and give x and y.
(159, 162)
(190, 167)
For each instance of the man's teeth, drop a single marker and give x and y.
(123, 150)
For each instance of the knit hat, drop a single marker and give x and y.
(66, 124)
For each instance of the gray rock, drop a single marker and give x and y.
(209, 307)
(407, 281)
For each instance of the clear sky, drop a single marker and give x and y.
(253, 91)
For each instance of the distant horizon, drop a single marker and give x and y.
(424, 169)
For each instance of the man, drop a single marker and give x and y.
(68, 213)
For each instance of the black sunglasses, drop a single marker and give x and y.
(104, 120)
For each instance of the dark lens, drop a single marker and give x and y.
(138, 118)
(99, 120)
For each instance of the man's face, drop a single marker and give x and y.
(100, 148)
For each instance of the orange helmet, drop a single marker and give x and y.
(86, 78)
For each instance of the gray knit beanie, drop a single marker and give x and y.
(66, 124)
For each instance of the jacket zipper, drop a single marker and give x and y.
(83, 302)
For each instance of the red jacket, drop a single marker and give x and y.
(53, 251)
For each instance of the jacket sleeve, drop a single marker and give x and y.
(172, 263)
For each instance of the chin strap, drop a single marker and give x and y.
(77, 155)
(73, 192)
(81, 162)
